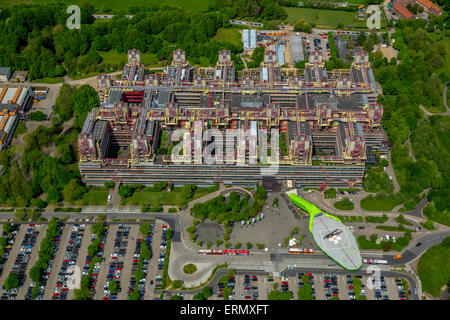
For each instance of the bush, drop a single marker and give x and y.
(190, 268)
(237, 245)
(330, 193)
(110, 184)
(249, 245)
(260, 245)
(37, 116)
(177, 284)
(344, 204)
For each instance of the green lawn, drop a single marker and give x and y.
(163, 198)
(374, 204)
(324, 18)
(433, 269)
(228, 35)
(98, 196)
(48, 80)
(117, 58)
(118, 5)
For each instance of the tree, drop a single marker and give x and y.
(177, 284)
(249, 245)
(125, 191)
(12, 281)
(93, 57)
(113, 287)
(73, 191)
(7, 227)
(97, 229)
(35, 273)
(144, 228)
(37, 116)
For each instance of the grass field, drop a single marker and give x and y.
(118, 5)
(228, 35)
(323, 18)
(373, 204)
(98, 196)
(48, 80)
(117, 58)
(162, 198)
(433, 269)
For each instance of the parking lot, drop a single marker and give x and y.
(325, 286)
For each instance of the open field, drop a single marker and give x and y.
(328, 18)
(117, 5)
(163, 198)
(374, 204)
(114, 57)
(96, 197)
(228, 35)
(433, 269)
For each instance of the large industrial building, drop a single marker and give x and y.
(14, 98)
(327, 121)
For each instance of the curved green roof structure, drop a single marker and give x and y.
(330, 235)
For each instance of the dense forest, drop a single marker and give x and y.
(34, 37)
(417, 77)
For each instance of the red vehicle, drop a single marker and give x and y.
(247, 297)
(284, 282)
(243, 252)
(65, 289)
(31, 225)
(350, 287)
(102, 244)
(105, 298)
(309, 274)
(164, 227)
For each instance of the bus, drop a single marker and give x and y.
(296, 250)
(243, 252)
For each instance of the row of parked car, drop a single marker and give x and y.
(45, 275)
(380, 288)
(162, 256)
(330, 285)
(300, 283)
(250, 287)
(401, 290)
(116, 266)
(96, 268)
(22, 260)
(10, 241)
(147, 241)
(70, 259)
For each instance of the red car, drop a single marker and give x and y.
(350, 287)
(247, 297)
(309, 274)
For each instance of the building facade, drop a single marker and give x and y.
(326, 121)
